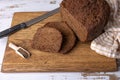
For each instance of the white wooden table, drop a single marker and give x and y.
(7, 8)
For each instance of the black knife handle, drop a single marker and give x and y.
(12, 30)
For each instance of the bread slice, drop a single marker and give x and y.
(68, 35)
(87, 18)
(47, 39)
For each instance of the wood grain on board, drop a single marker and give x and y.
(80, 59)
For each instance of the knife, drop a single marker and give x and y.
(26, 24)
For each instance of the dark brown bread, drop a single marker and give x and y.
(87, 18)
(47, 39)
(68, 35)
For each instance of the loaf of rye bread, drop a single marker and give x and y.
(47, 39)
(87, 18)
(68, 36)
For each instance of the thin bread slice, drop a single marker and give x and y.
(47, 39)
(68, 35)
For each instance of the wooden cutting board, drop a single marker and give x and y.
(81, 58)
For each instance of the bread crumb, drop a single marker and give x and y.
(53, 2)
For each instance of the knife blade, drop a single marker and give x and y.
(27, 24)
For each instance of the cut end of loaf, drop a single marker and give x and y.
(87, 18)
